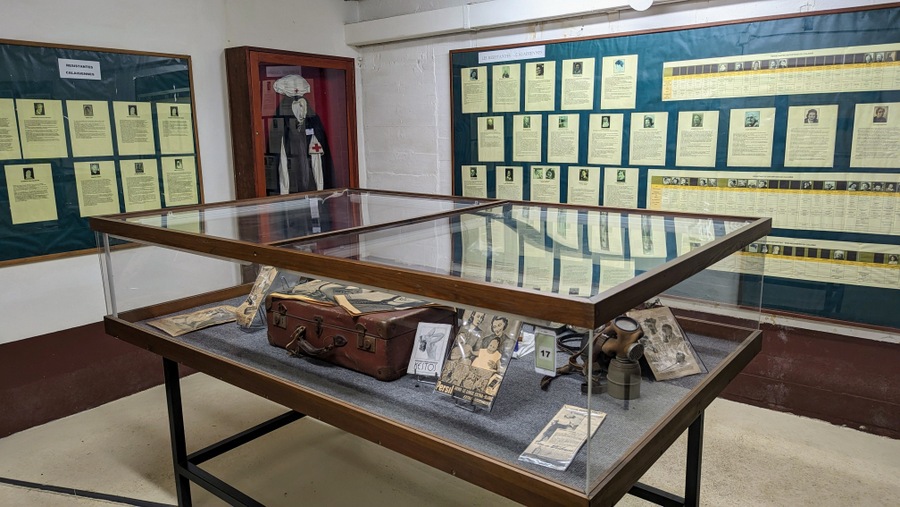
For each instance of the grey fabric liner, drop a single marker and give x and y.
(520, 409)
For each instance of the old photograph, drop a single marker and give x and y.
(666, 347)
(478, 358)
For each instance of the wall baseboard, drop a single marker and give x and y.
(58, 374)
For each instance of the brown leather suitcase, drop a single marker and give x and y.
(376, 344)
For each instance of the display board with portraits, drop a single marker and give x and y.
(86, 132)
(796, 118)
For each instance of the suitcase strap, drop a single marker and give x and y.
(299, 345)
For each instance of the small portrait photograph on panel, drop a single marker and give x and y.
(877, 187)
(649, 121)
(773, 64)
(838, 255)
(583, 175)
(893, 259)
(539, 69)
(812, 116)
(723, 67)
(473, 74)
(28, 173)
(39, 109)
(473, 172)
(179, 164)
(138, 168)
(563, 122)
(880, 115)
(537, 173)
(88, 109)
(828, 185)
(132, 110)
(697, 120)
(490, 123)
(739, 66)
(550, 173)
(95, 169)
(762, 184)
(751, 119)
(577, 68)
(526, 122)
(508, 174)
(853, 186)
(620, 176)
(755, 65)
(782, 64)
(865, 186)
(712, 182)
(173, 111)
(604, 121)
(869, 58)
(619, 66)
(504, 72)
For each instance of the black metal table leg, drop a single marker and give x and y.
(694, 462)
(691, 476)
(176, 432)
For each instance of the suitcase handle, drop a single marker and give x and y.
(300, 346)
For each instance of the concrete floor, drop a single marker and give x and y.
(752, 457)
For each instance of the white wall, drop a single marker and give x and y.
(406, 85)
(50, 296)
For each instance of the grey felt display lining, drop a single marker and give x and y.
(520, 410)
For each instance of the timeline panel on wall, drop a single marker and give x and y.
(85, 132)
(796, 118)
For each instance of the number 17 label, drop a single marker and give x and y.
(545, 352)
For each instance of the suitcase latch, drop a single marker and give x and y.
(279, 319)
(364, 342)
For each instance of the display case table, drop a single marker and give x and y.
(406, 415)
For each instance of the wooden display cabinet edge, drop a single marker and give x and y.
(245, 104)
(484, 471)
(582, 312)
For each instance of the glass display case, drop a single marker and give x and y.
(293, 121)
(610, 329)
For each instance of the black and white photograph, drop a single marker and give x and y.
(478, 358)
(668, 351)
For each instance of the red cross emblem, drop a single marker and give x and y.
(316, 148)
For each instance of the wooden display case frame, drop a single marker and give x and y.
(469, 464)
(245, 103)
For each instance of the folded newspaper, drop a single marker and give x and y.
(373, 302)
(318, 292)
(248, 309)
(559, 441)
(178, 325)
